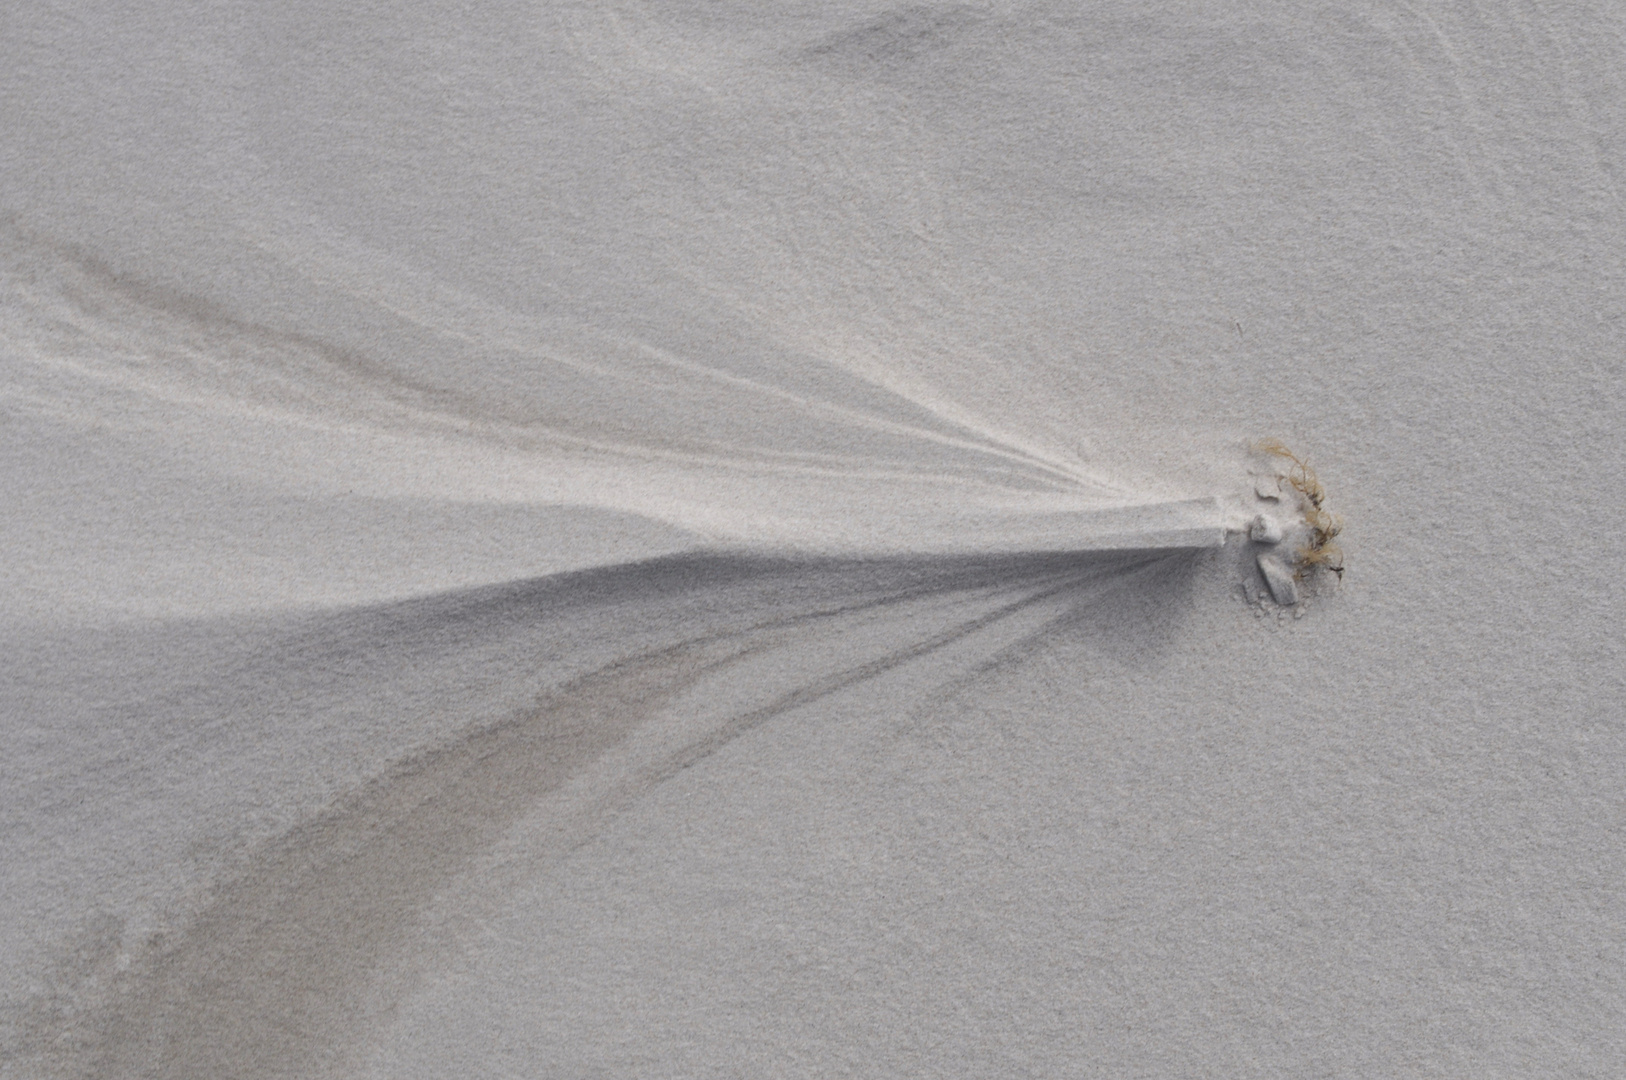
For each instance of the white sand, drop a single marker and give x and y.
(710, 540)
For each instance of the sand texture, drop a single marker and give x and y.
(729, 540)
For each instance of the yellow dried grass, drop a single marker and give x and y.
(1320, 551)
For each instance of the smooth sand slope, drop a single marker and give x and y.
(711, 540)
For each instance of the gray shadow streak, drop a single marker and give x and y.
(273, 978)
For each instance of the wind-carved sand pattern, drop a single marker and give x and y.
(848, 466)
(324, 328)
(294, 960)
(893, 536)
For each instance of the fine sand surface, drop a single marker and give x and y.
(617, 539)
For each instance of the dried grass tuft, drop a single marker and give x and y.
(1320, 552)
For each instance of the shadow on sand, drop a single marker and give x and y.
(293, 959)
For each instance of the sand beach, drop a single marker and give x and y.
(610, 539)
